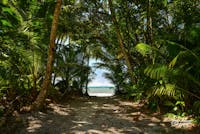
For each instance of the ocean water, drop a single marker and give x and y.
(101, 91)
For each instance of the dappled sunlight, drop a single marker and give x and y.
(95, 131)
(96, 116)
(59, 110)
(84, 63)
(108, 117)
(34, 124)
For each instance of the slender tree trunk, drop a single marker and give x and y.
(121, 43)
(45, 85)
(149, 24)
(149, 38)
(82, 78)
(87, 81)
(34, 73)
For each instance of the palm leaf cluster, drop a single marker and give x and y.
(178, 78)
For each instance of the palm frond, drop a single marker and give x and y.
(174, 61)
(156, 71)
(169, 90)
(191, 78)
(111, 67)
(108, 76)
(180, 58)
(143, 49)
(185, 49)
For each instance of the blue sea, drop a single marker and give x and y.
(101, 91)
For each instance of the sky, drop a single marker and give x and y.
(99, 79)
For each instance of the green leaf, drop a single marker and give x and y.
(173, 62)
(156, 71)
(6, 23)
(182, 103)
(182, 55)
(165, 2)
(6, 9)
(168, 90)
(143, 49)
(5, 2)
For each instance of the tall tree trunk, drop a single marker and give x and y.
(149, 39)
(34, 73)
(120, 40)
(45, 85)
(149, 24)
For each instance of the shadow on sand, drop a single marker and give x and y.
(94, 115)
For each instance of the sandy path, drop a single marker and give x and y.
(94, 116)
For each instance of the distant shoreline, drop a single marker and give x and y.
(101, 91)
(101, 86)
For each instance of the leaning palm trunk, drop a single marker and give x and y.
(121, 43)
(45, 85)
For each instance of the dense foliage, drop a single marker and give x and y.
(150, 47)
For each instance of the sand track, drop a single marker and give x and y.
(95, 116)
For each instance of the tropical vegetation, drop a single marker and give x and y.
(150, 47)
